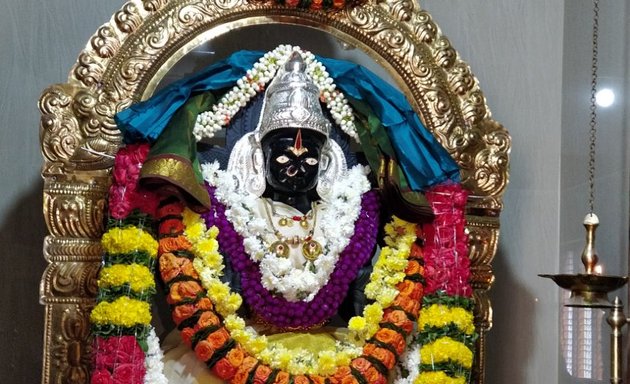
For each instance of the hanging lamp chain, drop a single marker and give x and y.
(593, 122)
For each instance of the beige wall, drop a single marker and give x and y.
(525, 54)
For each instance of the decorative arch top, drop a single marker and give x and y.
(126, 58)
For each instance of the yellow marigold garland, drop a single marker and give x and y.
(388, 271)
(127, 240)
(439, 315)
(444, 350)
(138, 277)
(122, 312)
(438, 377)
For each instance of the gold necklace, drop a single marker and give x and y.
(311, 248)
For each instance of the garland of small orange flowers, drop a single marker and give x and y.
(203, 330)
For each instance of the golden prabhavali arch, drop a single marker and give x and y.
(127, 57)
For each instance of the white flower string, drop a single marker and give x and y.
(255, 81)
(410, 362)
(336, 224)
(153, 361)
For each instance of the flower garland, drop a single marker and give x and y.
(278, 311)
(446, 331)
(208, 264)
(227, 347)
(316, 5)
(126, 349)
(257, 78)
(387, 278)
(343, 219)
(302, 314)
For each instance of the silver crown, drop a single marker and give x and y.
(292, 101)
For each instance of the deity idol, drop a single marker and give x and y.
(271, 264)
(302, 225)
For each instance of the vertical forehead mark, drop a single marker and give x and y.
(297, 149)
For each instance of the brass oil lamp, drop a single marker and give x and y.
(591, 288)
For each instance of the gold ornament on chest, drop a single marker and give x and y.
(311, 248)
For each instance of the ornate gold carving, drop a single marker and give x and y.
(70, 346)
(70, 280)
(143, 39)
(75, 209)
(460, 79)
(483, 310)
(154, 5)
(401, 10)
(483, 234)
(59, 132)
(59, 249)
(88, 70)
(423, 27)
(73, 269)
(105, 43)
(128, 19)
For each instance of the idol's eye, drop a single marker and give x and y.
(282, 159)
(311, 161)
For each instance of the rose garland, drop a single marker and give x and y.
(199, 318)
(257, 78)
(125, 347)
(446, 337)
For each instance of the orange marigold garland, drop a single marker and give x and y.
(203, 330)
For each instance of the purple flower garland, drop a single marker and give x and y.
(278, 311)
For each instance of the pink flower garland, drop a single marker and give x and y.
(119, 360)
(446, 249)
(125, 194)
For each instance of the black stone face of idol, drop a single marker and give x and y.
(292, 166)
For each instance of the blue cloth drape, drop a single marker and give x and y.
(423, 160)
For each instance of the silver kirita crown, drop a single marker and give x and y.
(292, 101)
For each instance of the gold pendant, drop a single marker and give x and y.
(311, 250)
(280, 248)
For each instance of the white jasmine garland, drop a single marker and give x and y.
(410, 361)
(336, 224)
(153, 361)
(257, 78)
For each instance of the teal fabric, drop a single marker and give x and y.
(146, 120)
(423, 160)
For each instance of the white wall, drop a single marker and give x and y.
(515, 50)
(534, 60)
(531, 80)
